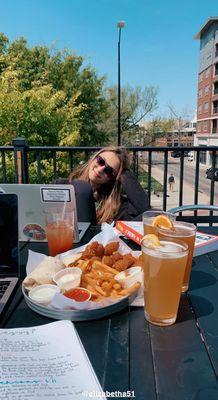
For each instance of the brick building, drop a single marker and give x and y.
(207, 105)
(182, 136)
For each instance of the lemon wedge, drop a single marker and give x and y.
(162, 221)
(151, 241)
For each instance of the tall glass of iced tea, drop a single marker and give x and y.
(59, 225)
(153, 219)
(163, 269)
(182, 232)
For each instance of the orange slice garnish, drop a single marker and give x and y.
(151, 241)
(162, 221)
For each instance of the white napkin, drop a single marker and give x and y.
(61, 302)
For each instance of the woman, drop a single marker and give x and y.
(117, 193)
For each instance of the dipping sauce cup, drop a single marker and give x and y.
(78, 294)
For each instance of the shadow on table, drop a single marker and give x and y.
(201, 279)
(200, 305)
(209, 393)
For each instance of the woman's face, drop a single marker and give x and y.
(104, 168)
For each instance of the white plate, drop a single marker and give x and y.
(78, 315)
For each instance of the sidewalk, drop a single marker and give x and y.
(173, 199)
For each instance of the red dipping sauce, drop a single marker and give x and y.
(78, 294)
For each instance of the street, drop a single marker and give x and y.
(188, 186)
(189, 175)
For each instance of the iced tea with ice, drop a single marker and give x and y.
(59, 226)
(60, 237)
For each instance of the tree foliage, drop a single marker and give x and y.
(51, 98)
(136, 104)
(48, 97)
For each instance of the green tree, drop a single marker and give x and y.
(48, 96)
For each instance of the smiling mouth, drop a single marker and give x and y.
(97, 174)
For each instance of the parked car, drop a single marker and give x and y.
(212, 172)
(191, 156)
(177, 153)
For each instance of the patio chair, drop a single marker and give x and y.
(194, 217)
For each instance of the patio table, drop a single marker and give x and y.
(129, 354)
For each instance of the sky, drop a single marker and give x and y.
(157, 42)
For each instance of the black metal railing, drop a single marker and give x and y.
(35, 164)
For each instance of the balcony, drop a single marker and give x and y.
(21, 163)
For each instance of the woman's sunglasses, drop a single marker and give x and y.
(108, 170)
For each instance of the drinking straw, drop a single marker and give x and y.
(64, 207)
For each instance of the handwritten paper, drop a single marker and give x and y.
(45, 362)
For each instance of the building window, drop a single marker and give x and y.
(214, 125)
(215, 107)
(216, 50)
(200, 109)
(199, 126)
(215, 90)
(200, 93)
(206, 106)
(205, 126)
(202, 156)
(207, 89)
(216, 69)
(201, 77)
(207, 72)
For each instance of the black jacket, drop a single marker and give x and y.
(134, 199)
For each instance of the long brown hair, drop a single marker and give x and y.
(108, 195)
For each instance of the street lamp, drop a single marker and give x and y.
(120, 25)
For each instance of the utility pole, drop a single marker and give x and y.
(120, 25)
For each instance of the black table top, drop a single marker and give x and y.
(128, 353)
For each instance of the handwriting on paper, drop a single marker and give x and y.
(44, 362)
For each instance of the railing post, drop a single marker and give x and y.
(134, 164)
(20, 160)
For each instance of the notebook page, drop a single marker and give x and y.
(45, 362)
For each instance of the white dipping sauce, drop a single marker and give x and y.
(43, 294)
(68, 278)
